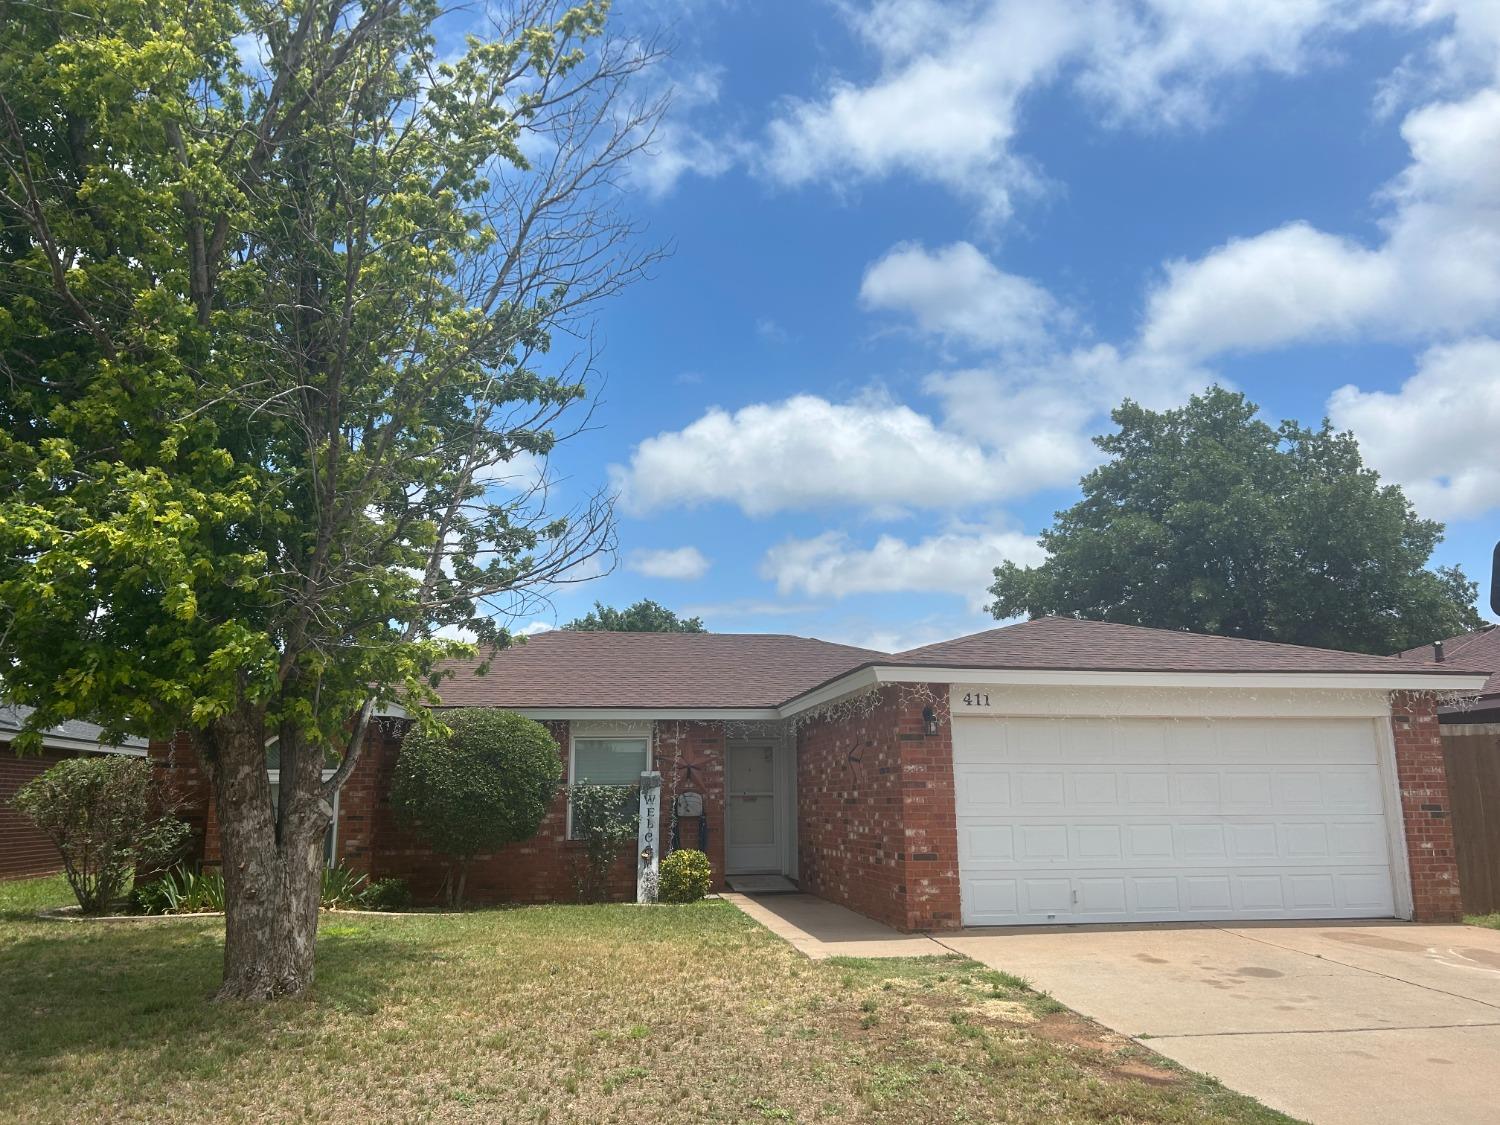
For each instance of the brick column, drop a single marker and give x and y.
(877, 826)
(930, 816)
(1425, 809)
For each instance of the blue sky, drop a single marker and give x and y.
(921, 248)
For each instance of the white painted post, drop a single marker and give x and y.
(648, 851)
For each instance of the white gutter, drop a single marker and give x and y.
(65, 742)
(1317, 681)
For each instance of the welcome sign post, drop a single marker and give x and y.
(648, 838)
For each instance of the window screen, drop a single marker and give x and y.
(608, 761)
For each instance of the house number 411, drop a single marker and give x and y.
(976, 699)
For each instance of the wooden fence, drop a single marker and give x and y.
(1473, 762)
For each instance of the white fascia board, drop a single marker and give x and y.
(63, 742)
(858, 680)
(663, 714)
(1370, 681)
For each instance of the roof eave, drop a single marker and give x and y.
(873, 674)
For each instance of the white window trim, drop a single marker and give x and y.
(594, 732)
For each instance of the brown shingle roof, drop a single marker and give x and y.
(1479, 649)
(667, 670)
(762, 670)
(1067, 643)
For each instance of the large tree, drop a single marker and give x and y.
(1206, 518)
(279, 283)
(645, 616)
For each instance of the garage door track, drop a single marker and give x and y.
(1329, 1022)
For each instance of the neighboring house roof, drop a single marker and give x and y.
(725, 671)
(1071, 644)
(565, 668)
(71, 735)
(1479, 649)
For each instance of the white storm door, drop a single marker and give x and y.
(751, 843)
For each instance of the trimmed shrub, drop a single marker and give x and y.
(685, 876)
(105, 815)
(387, 894)
(478, 781)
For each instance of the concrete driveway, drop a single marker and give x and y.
(1325, 1021)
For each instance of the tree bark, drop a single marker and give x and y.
(272, 884)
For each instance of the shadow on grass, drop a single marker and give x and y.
(147, 993)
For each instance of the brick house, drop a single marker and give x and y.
(24, 849)
(1048, 772)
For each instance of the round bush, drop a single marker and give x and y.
(482, 780)
(684, 877)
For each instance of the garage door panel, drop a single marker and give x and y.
(1095, 820)
(1178, 842)
(1099, 896)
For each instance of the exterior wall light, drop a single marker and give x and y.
(929, 721)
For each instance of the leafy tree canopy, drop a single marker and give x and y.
(1208, 519)
(290, 301)
(644, 616)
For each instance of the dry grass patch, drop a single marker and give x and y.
(551, 1014)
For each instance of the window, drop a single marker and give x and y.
(609, 761)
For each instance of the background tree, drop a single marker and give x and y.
(1205, 518)
(483, 780)
(644, 616)
(279, 288)
(106, 816)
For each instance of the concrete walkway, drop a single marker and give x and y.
(1336, 1024)
(820, 929)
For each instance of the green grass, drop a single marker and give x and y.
(1490, 921)
(550, 1014)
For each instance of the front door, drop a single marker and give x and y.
(751, 843)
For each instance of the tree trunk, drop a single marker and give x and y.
(272, 885)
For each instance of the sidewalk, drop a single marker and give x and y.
(819, 929)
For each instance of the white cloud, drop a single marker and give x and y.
(1288, 284)
(532, 628)
(957, 293)
(946, 102)
(681, 563)
(958, 561)
(806, 452)
(1436, 436)
(1003, 429)
(1437, 272)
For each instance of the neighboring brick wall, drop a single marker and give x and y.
(25, 849)
(876, 817)
(1425, 808)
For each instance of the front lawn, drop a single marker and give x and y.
(1492, 921)
(549, 1014)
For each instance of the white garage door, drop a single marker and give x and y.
(1118, 820)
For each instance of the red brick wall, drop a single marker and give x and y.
(544, 868)
(24, 849)
(1425, 808)
(876, 818)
